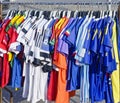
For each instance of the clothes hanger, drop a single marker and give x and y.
(113, 14)
(97, 14)
(79, 14)
(60, 11)
(72, 14)
(54, 13)
(88, 14)
(48, 15)
(76, 13)
(57, 15)
(41, 14)
(105, 13)
(35, 13)
(26, 13)
(68, 14)
(29, 13)
(91, 14)
(11, 14)
(19, 12)
(101, 13)
(110, 13)
(7, 16)
(64, 13)
(23, 12)
(51, 13)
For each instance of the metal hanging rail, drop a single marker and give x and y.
(63, 3)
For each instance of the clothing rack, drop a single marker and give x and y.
(63, 3)
(48, 3)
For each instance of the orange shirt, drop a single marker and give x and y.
(60, 61)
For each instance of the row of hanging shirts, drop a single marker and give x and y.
(48, 49)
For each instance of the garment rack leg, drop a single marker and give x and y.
(0, 95)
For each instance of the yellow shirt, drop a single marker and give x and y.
(19, 21)
(116, 74)
(13, 20)
(60, 22)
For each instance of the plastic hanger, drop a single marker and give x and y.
(54, 13)
(19, 12)
(26, 13)
(105, 13)
(7, 16)
(57, 14)
(114, 14)
(51, 13)
(91, 14)
(72, 14)
(35, 13)
(63, 13)
(47, 15)
(60, 11)
(29, 13)
(11, 14)
(79, 14)
(76, 13)
(110, 13)
(40, 14)
(88, 13)
(101, 13)
(68, 14)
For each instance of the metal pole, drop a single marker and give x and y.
(0, 95)
(64, 3)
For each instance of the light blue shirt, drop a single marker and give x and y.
(81, 39)
(80, 52)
